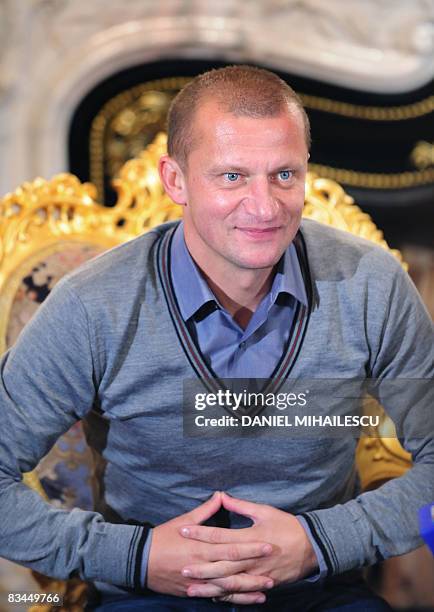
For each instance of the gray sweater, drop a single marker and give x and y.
(108, 346)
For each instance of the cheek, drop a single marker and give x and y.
(224, 203)
(209, 202)
(295, 202)
(216, 206)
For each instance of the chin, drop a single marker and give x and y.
(259, 264)
(267, 260)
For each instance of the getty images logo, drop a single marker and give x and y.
(234, 400)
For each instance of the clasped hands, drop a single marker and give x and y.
(236, 565)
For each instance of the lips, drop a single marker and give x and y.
(258, 232)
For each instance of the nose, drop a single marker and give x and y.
(260, 203)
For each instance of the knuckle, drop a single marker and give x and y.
(231, 584)
(233, 553)
(256, 583)
(215, 535)
(223, 569)
(196, 555)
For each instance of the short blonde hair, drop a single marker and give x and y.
(241, 90)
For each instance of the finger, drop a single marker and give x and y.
(204, 511)
(248, 552)
(214, 535)
(242, 598)
(241, 506)
(238, 583)
(219, 569)
(244, 583)
(239, 551)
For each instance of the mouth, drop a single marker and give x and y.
(259, 232)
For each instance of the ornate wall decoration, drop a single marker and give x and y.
(126, 125)
(131, 119)
(376, 25)
(65, 47)
(422, 155)
(6, 43)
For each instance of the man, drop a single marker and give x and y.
(238, 290)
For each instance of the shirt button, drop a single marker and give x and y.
(242, 344)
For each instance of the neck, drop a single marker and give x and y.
(246, 291)
(239, 290)
(242, 299)
(240, 294)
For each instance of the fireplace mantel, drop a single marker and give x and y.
(53, 52)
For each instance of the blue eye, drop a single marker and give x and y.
(232, 176)
(285, 175)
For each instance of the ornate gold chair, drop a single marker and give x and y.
(49, 227)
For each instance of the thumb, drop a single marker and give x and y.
(204, 511)
(241, 506)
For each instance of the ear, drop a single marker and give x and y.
(173, 179)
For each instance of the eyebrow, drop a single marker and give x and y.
(221, 169)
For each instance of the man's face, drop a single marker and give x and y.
(244, 189)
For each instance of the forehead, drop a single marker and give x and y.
(217, 133)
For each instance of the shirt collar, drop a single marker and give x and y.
(288, 277)
(193, 292)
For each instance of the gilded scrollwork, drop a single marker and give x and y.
(127, 124)
(45, 208)
(142, 202)
(422, 155)
(327, 202)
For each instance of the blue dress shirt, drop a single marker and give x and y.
(230, 351)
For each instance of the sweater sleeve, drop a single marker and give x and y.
(384, 522)
(48, 382)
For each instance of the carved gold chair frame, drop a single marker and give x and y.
(41, 217)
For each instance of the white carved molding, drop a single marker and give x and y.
(52, 52)
(11, 18)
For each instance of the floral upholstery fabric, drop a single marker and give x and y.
(66, 473)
